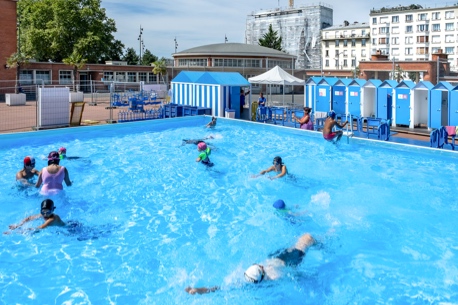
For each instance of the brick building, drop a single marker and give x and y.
(8, 37)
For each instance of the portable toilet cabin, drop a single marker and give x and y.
(403, 103)
(385, 99)
(369, 98)
(215, 90)
(439, 98)
(453, 109)
(339, 99)
(419, 112)
(323, 101)
(354, 96)
(310, 91)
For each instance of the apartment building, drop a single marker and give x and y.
(344, 46)
(413, 33)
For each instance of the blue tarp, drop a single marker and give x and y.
(214, 78)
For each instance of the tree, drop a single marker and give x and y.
(412, 76)
(77, 62)
(399, 74)
(148, 58)
(131, 57)
(55, 29)
(16, 60)
(270, 39)
(160, 67)
(356, 72)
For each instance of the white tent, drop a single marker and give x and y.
(277, 76)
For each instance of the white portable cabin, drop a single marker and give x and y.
(419, 112)
(369, 98)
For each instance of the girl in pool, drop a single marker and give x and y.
(204, 153)
(47, 212)
(53, 175)
(25, 175)
(277, 166)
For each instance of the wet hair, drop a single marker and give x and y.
(278, 160)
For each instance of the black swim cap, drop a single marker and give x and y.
(278, 160)
(47, 204)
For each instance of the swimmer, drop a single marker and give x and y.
(212, 123)
(286, 213)
(195, 141)
(330, 122)
(277, 166)
(52, 176)
(26, 174)
(63, 154)
(204, 153)
(47, 213)
(272, 268)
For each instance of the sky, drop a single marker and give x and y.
(195, 23)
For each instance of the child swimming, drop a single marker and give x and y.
(204, 153)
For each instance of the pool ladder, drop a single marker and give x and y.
(349, 127)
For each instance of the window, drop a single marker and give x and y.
(374, 41)
(374, 20)
(384, 30)
(337, 42)
(353, 33)
(345, 53)
(436, 39)
(395, 19)
(422, 16)
(395, 51)
(142, 76)
(409, 18)
(337, 34)
(363, 42)
(326, 53)
(131, 77)
(326, 62)
(152, 78)
(345, 34)
(409, 51)
(108, 76)
(383, 40)
(383, 19)
(449, 14)
(26, 77)
(422, 39)
(449, 50)
(120, 76)
(409, 40)
(449, 26)
(409, 29)
(252, 63)
(345, 42)
(395, 40)
(436, 27)
(65, 77)
(353, 42)
(336, 53)
(374, 31)
(449, 38)
(423, 28)
(395, 30)
(422, 50)
(363, 53)
(337, 64)
(43, 77)
(193, 62)
(353, 53)
(345, 63)
(326, 35)
(326, 44)
(436, 16)
(353, 62)
(435, 49)
(363, 32)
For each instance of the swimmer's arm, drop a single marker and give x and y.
(283, 172)
(47, 223)
(342, 125)
(267, 170)
(39, 181)
(25, 220)
(35, 172)
(67, 178)
(201, 290)
(198, 159)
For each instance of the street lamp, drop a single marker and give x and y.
(176, 44)
(141, 44)
(356, 64)
(225, 38)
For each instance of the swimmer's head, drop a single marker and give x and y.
(332, 114)
(277, 160)
(53, 158)
(213, 119)
(47, 207)
(255, 274)
(202, 146)
(279, 204)
(62, 150)
(29, 161)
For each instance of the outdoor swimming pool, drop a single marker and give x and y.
(155, 221)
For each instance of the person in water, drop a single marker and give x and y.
(277, 166)
(328, 134)
(47, 213)
(26, 174)
(305, 122)
(53, 175)
(212, 123)
(63, 154)
(195, 141)
(272, 268)
(204, 153)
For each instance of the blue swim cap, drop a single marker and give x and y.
(279, 204)
(332, 114)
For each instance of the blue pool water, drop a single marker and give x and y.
(154, 221)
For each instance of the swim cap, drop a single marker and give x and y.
(63, 150)
(29, 160)
(332, 114)
(254, 274)
(47, 206)
(202, 146)
(54, 155)
(278, 160)
(279, 204)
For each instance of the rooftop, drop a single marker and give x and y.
(239, 49)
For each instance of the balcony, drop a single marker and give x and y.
(354, 36)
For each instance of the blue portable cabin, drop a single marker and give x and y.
(216, 90)
(323, 101)
(453, 107)
(339, 92)
(403, 103)
(369, 98)
(385, 99)
(310, 91)
(439, 97)
(354, 96)
(420, 106)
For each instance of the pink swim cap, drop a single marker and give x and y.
(202, 146)
(63, 149)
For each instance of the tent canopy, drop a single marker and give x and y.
(276, 76)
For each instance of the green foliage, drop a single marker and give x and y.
(131, 57)
(55, 29)
(399, 74)
(412, 76)
(148, 58)
(160, 67)
(271, 39)
(16, 60)
(77, 62)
